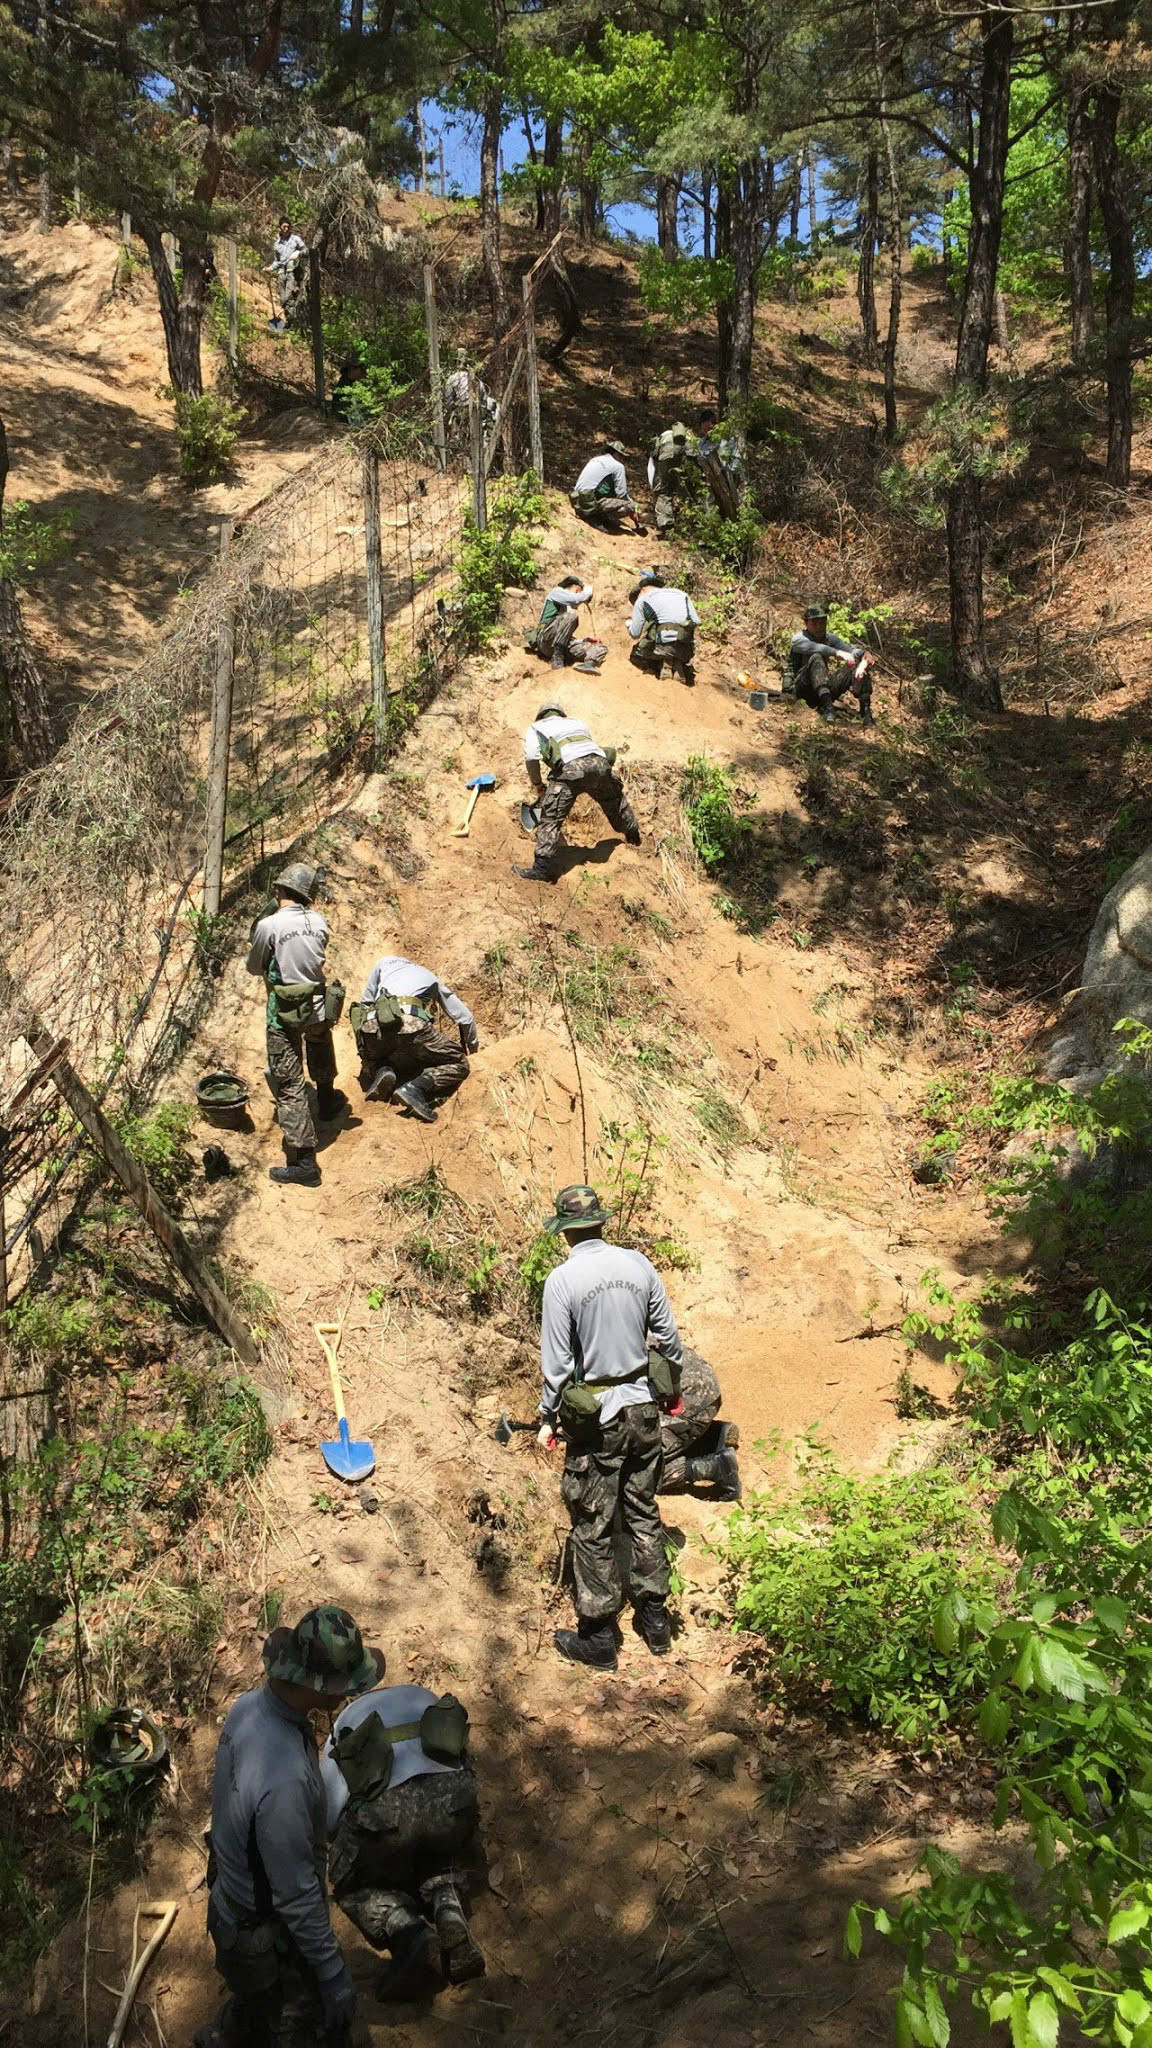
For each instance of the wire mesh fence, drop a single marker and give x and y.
(102, 860)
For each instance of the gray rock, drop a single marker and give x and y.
(1116, 982)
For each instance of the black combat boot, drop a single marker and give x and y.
(300, 1172)
(633, 837)
(410, 1969)
(461, 1957)
(378, 1084)
(331, 1103)
(535, 873)
(412, 1095)
(558, 660)
(720, 1470)
(590, 1642)
(651, 1618)
(866, 717)
(826, 710)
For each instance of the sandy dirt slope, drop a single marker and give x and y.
(665, 1863)
(90, 437)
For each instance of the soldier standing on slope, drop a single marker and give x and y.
(599, 1393)
(288, 949)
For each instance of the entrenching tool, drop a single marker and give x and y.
(529, 817)
(506, 1430)
(477, 783)
(349, 1461)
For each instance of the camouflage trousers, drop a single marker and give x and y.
(681, 1434)
(619, 1473)
(558, 637)
(424, 1054)
(392, 1853)
(667, 484)
(275, 2002)
(288, 1048)
(821, 682)
(590, 777)
(601, 511)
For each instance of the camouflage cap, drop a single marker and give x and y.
(615, 448)
(551, 711)
(325, 1653)
(578, 1208)
(815, 608)
(298, 880)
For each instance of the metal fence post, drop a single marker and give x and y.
(439, 438)
(221, 744)
(479, 480)
(316, 326)
(374, 574)
(532, 376)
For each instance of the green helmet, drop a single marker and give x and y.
(578, 1208)
(324, 1652)
(551, 711)
(299, 880)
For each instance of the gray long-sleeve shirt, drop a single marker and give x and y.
(395, 976)
(268, 1811)
(599, 1308)
(669, 608)
(802, 647)
(603, 469)
(297, 939)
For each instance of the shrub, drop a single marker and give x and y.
(159, 1143)
(869, 1593)
(208, 429)
(710, 798)
(504, 553)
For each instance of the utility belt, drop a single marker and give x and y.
(677, 634)
(580, 1401)
(292, 1004)
(605, 757)
(389, 1016)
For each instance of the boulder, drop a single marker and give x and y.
(1116, 982)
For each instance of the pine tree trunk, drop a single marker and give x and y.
(811, 169)
(181, 315)
(1078, 232)
(1120, 292)
(490, 206)
(356, 17)
(589, 209)
(552, 192)
(706, 211)
(667, 195)
(974, 673)
(866, 263)
(895, 285)
(745, 252)
(723, 240)
(22, 692)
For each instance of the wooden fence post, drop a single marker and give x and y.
(221, 743)
(439, 438)
(532, 373)
(316, 326)
(126, 229)
(374, 572)
(233, 309)
(136, 1184)
(479, 462)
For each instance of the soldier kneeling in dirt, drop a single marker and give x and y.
(822, 668)
(600, 493)
(403, 1817)
(554, 635)
(698, 1450)
(663, 625)
(576, 767)
(267, 1903)
(403, 1057)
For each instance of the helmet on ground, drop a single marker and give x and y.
(551, 711)
(615, 448)
(325, 1653)
(815, 608)
(578, 1208)
(297, 879)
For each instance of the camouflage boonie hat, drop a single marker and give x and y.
(324, 1652)
(615, 448)
(578, 1208)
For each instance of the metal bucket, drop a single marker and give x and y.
(222, 1100)
(758, 699)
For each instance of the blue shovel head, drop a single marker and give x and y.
(347, 1460)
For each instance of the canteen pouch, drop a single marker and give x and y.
(609, 754)
(580, 1413)
(530, 641)
(664, 1377)
(334, 1002)
(444, 1730)
(295, 1003)
(361, 1018)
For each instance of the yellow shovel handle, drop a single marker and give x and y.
(462, 830)
(323, 1332)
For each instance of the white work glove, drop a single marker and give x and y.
(546, 1436)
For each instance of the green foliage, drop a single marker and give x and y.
(872, 1594)
(856, 623)
(208, 429)
(967, 432)
(218, 323)
(710, 797)
(159, 1143)
(546, 1251)
(28, 543)
(504, 553)
(732, 543)
(388, 343)
(680, 290)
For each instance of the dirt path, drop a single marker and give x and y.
(665, 1861)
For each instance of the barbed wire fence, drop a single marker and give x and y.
(294, 668)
